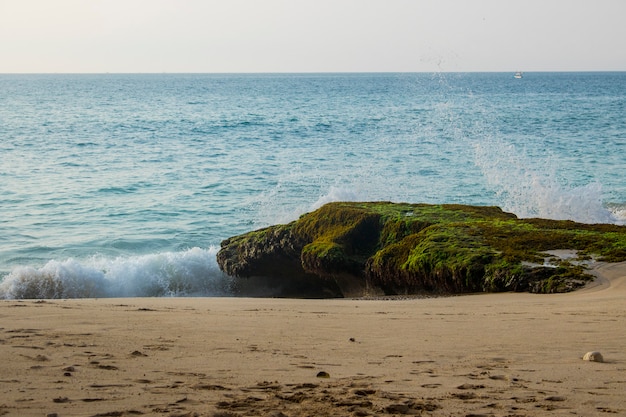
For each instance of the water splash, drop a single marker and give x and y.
(338, 194)
(618, 211)
(189, 273)
(531, 187)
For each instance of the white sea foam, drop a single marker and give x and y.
(270, 208)
(188, 273)
(618, 211)
(531, 187)
(338, 194)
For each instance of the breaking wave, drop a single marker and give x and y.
(531, 187)
(193, 272)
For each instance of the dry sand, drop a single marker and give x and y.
(476, 355)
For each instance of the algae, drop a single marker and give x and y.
(403, 248)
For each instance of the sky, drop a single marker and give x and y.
(216, 36)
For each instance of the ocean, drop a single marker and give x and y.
(116, 185)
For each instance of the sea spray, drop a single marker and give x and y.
(618, 211)
(193, 272)
(531, 188)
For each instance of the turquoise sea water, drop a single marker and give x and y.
(124, 185)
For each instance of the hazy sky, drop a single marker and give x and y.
(311, 35)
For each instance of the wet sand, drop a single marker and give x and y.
(476, 355)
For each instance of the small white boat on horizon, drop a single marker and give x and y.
(518, 75)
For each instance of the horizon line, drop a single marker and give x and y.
(305, 72)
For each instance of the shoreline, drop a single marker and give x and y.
(497, 354)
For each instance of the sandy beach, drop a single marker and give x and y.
(475, 355)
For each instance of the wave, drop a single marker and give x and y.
(193, 272)
(338, 194)
(618, 211)
(530, 187)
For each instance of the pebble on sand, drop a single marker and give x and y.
(593, 357)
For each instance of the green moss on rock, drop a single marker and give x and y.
(340, 240)
(400, 248)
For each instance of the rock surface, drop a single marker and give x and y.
(356, 249)
(593, 357)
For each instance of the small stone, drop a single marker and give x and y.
(323, 374)
(593, 357)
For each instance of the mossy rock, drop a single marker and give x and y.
(352, 248)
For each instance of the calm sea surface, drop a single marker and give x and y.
(124, 185)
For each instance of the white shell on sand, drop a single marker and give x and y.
(593, 357)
